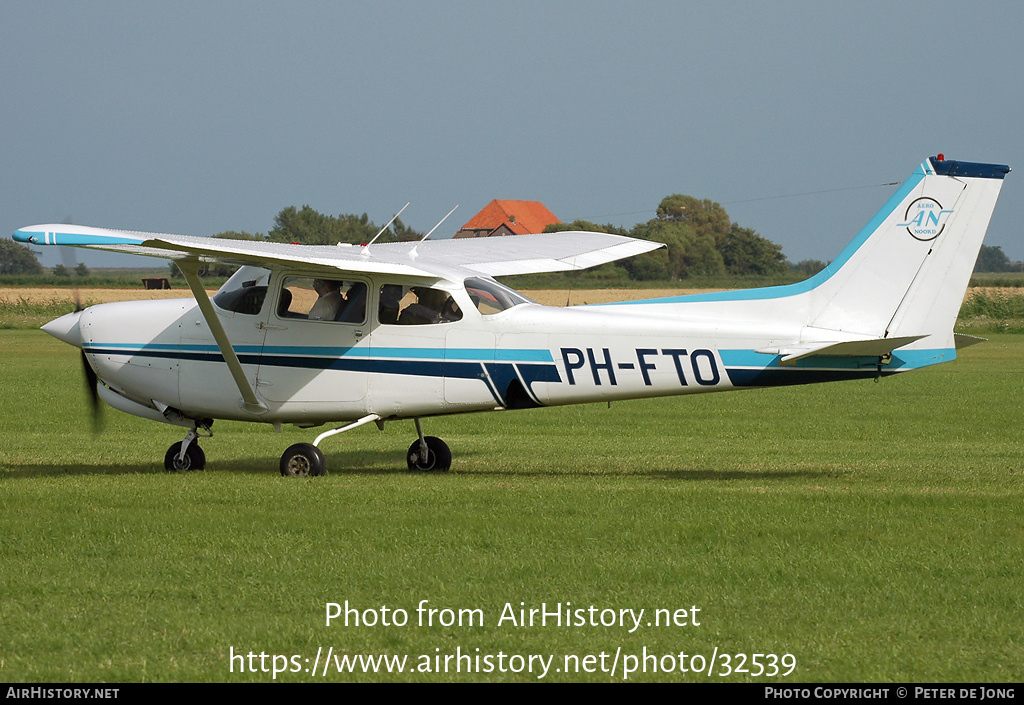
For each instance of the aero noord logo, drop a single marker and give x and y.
(925, 219)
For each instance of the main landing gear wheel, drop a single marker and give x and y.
(195, 458)
(438, 457)
(303, 460)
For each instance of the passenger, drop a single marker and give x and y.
(329, 302)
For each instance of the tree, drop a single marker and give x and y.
(240, 235)
(687, 253)
(810, 267)
(18, 259)
(746, 252)
(586, 226)
(705, 217)
(309, 227)
(61, 271)
(702, 240)
(992, 259)
(403, 233)
(81, 270)
(650, 266)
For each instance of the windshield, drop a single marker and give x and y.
(244, 292)
(490, 297)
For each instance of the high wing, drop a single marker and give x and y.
(493, 256)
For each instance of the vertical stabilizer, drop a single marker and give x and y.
(906, 273)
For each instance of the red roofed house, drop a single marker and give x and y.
(509, 218)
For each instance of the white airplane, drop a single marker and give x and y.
(357, 334)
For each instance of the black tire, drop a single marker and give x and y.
(439, 456)
(303, 460)
(195, 458)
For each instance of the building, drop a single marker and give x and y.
(509, 218)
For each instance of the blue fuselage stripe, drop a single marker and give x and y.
(429, 363)
(466, 354)
(743, 367)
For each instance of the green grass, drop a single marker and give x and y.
(984, 312)
(22, 314)
(1002, 279)
(871, 530)
(101, 278)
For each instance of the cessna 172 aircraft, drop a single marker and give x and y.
(357, 334)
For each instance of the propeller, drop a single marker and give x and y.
(91, 380)
(70, 259)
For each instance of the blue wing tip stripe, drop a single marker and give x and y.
(41, 237)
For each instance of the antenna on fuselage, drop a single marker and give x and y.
(412, 252)
(366, 247)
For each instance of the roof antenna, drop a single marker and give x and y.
(412, 252)
(366, 247)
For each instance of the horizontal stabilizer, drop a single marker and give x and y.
(965, 341)
(872, 347)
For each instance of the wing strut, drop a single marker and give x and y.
(190, 268)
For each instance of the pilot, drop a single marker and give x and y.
(432, 306)
(329, 301)
(441, 303)
(390, 299)
(354, 310)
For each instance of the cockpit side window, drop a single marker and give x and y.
(244, 292)
(416, 306)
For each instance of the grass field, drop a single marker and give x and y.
(872, 531)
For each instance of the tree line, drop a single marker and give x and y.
(699, 236)
(700, 239)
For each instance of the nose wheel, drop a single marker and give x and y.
(193, 459)
(186, 454)
(436, 458)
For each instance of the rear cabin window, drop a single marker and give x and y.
(416, 306)
(317, 299)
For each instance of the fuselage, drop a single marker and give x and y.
(155, 356)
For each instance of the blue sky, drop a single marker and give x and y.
(199, 117)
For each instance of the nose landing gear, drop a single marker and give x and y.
(186, 454)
